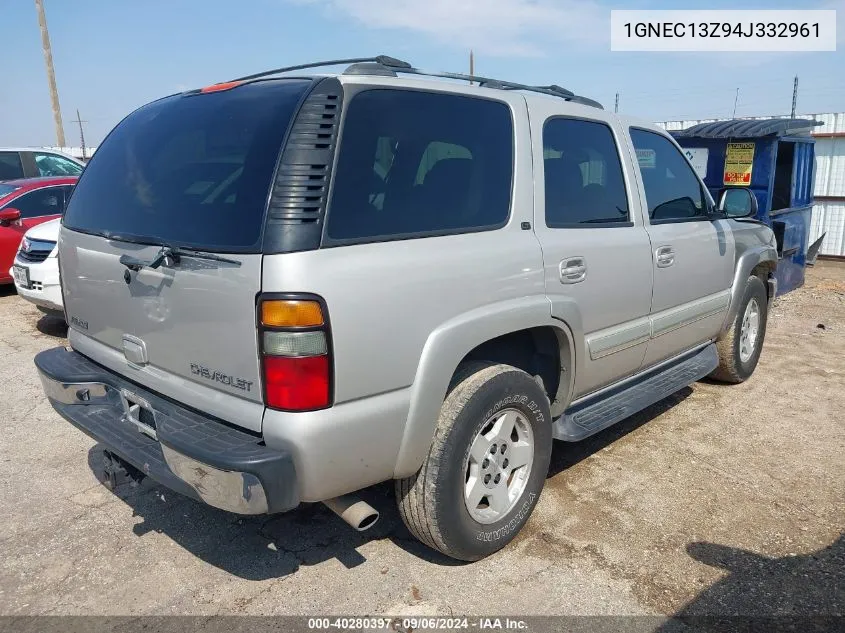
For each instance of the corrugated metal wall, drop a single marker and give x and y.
(829, 189)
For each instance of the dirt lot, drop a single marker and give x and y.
(719, 500)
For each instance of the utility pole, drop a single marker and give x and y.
(471, 65)
(794, 96)
(51, 75)
(616, 107)
(81, 133)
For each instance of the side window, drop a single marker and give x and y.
(10, 166)
(418, 163)
(672, 190)
(583, 175)
(47, 201)
(54, 165)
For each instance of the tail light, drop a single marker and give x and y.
(295, 353)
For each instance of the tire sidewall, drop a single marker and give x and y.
(511, 389)
(754, 290)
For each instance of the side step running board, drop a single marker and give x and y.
(592, 416)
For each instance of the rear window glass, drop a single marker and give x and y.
(10, 166)
(418, 163)
(189, 170)
(5, 190)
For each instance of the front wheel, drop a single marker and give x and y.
(486, 466)
(740, 348)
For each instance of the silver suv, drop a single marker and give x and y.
(286, 289)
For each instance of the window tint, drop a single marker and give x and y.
(583, 174)
(53, 165)
(10, 166)
(47, 201)
(415, 163)
(189, 170)
(672, 189)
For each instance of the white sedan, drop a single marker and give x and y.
(37, 255)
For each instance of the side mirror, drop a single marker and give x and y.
(9, 215)
(736, 202)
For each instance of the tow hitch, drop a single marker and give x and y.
(117, 471)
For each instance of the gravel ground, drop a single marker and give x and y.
(720, 500)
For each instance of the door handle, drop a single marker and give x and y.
(572, 270)
(665, 256)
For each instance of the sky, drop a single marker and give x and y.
(111, 56)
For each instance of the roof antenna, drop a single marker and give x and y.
(736, 98)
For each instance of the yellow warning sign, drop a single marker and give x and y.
(738, 162)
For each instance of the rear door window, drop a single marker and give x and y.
(10, 166)
(46, 201)
(413, 164)
(189, 170)
(583, 175)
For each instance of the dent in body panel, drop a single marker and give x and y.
(197, 313)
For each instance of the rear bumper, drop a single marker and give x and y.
(185, 451)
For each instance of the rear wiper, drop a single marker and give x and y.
(171, 254)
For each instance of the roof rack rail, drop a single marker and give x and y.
(383, 60)
(370, 65)
(487, 82)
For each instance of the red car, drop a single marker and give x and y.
(23, 204)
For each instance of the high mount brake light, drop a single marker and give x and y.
(219, 87)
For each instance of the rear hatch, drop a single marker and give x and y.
(191, 173)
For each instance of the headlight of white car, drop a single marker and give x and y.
(54, 252)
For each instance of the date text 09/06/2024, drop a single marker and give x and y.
(418, 623)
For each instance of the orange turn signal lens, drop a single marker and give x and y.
(291, 313)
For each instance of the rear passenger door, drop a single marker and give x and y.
(595, 248)
(693, 253)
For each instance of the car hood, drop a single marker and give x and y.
(48, 231)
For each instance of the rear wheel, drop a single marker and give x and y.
(486, 466)
(740, 348)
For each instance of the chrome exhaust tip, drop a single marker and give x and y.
(359, 514)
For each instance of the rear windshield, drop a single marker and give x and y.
(189, 170)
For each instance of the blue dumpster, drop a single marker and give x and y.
(774, 158)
